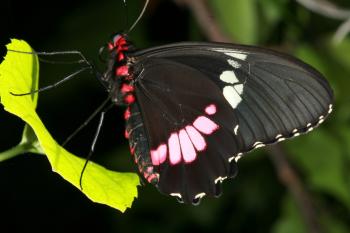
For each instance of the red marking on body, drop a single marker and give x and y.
(122, 71)
(140, 167)
(126, 134)
(119, 45)
(121, 56)
(110, 46)
(129, 99)
(127, 88)
(210, 109)
(153, 178)
(149, 169)
(158, 156)
(127, 113)
(132, 150)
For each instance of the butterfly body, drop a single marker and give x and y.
(193, 109)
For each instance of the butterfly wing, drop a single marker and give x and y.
(205, 104)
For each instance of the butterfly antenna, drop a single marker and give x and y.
(126, 15)
(140, 16)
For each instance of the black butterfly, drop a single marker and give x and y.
(193, 109)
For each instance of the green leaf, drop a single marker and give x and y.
(19, 74)
(239, 19)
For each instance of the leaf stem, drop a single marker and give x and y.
(14, 151)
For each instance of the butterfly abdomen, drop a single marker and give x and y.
(138, 143)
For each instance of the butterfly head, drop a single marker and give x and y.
(118, 45)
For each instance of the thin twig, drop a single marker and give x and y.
(291, 180)
(342, 31)
(325, 8)
(286, 173)
(330, 10)
(205, 19)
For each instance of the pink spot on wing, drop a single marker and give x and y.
(188, 152)
(158, 156)
(210, 109)
(174, 149)
(184, 144)
(196, 138)
(205, 125)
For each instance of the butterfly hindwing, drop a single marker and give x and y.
(170, 102)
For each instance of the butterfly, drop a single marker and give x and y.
(194, 109)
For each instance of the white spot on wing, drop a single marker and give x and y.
(256, 143)
(234, 63)
(199, 195)
(330, 108)
(259, 145)
(229, 76)
(232, 53)
(219, 179)
(232, 96)
(236, 129)
(240, 56)
(239, 88)
(278, 136)
(176, 195)
(237, 157)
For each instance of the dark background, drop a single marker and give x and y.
(34, 199)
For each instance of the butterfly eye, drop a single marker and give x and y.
(116, 39)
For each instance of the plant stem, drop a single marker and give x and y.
(13, 152)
